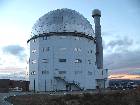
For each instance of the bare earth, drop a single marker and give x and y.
(111, 98)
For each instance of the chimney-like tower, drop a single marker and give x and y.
(96, 14)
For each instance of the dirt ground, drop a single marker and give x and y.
(110, 98)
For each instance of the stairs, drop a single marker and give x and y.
(75, 83)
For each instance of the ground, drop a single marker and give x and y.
(111, 98)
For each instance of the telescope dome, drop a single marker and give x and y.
(62, 20)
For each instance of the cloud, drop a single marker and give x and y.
(121, 53)
(120, 43)
(128, 59)
(15, 50)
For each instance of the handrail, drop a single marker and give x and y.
(77, 84)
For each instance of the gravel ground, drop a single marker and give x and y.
(109, 98)
(5, 95)
(2, 97)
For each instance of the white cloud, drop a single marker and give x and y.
(15, 50)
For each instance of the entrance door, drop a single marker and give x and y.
(100, 83)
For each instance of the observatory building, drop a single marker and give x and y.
(65, 52)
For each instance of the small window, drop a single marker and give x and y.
(56, 69)
(77, 61)
(102, 72)
(89, 73)
(45, 72)
(78, 72)
(89, 61)
(34, 50)
(44, 61)
(46, 49)
(34, 40)
(33, 73)
(106, 70)
(90, 51)
(77, 38)
(77, 49)
(44, 37)
(62, 60)
(34, 61)
(95, 63)
(62, 72)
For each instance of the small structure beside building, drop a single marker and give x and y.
(7, 85)
(4, 85)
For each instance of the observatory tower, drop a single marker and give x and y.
(64, 55)
(96, 14)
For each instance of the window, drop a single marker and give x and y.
(77, 61)
(77, 49)
(34, 50)
(102, 72)
(33, 73)
(77, 38)
(78, 72)
(90, 51)
(62, 60)
(106, 70)
(44, 61)
(89, 73)
(34, 61)
(34, 40)
(95, 63)
(89, 61)
(56, 69)
(44, 37)
(62, 72)
(46, 49)
(45, 72)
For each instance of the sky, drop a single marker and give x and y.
(120, 23)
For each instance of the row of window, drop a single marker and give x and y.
(63, 60)
(43, 61)
(61, 37)
(62, 72)
(46, 49)
(76, 60)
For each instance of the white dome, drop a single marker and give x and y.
(96, 12)
(62, 20)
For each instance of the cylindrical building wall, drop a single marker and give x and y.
(69, 57)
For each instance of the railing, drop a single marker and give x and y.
(77, 84)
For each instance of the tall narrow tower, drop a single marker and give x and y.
(96, 14)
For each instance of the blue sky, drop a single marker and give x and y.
(120, 30)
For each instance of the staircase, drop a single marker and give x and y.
(75, 83)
